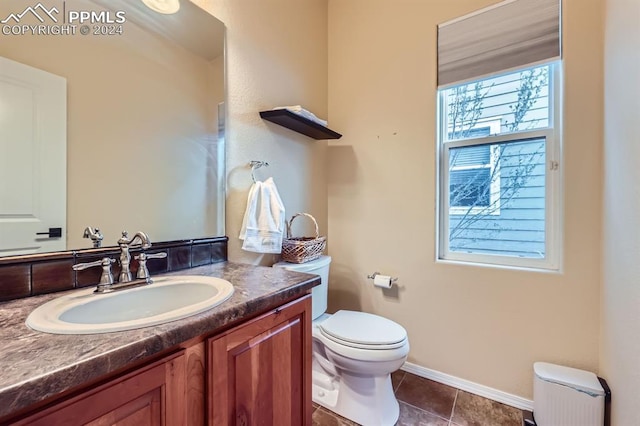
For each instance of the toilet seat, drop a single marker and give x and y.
(363, 331)
(370, 354)
(361, 345)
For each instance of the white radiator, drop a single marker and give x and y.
(564, 396)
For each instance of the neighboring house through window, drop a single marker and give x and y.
(474, 175)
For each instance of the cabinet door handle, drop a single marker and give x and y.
(52, 233)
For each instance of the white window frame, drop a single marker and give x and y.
(552, 260)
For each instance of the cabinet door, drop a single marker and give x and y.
(260, 372)
(153, 395)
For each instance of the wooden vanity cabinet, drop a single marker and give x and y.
(152, 395)
(260, 371)
(256, 373)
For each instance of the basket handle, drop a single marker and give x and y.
(290, 222)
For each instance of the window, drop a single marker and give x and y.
(499, 135)
(498, 156)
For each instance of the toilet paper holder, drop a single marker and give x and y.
(375, 274)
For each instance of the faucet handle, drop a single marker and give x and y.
(143, 271)
(105, 262)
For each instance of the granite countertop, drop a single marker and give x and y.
(35, 365)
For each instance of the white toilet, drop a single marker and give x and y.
(354, 354)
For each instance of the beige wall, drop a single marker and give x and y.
(620, 350)
(276, 55)
(141, 130)
(483, 324)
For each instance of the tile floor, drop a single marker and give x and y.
(424, 402)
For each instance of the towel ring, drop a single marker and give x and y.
(255, 165)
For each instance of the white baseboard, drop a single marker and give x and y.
(471, 387)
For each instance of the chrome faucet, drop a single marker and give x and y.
(125, 257)
(107, 284)
(95, 236)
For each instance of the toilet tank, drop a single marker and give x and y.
(320, 266)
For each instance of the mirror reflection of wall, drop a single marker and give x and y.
(143, 150)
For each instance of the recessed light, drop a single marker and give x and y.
(166, 7)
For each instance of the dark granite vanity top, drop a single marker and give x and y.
(35, 365)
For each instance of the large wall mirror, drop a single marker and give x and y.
(143, 122)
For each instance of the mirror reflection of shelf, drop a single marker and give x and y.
(297, 123)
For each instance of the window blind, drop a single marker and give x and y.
(510, 34)
(478, 155)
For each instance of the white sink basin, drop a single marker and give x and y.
(167, 299)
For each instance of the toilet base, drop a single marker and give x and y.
(369, 400)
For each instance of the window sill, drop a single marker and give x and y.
(551, 271)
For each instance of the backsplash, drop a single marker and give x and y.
(31, 275)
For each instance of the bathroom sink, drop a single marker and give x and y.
(167, 299)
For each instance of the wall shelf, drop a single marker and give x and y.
(286, 118)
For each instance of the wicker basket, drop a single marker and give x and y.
(302, 249)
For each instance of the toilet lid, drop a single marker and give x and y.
(363, 330)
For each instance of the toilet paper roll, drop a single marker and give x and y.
(383, 281)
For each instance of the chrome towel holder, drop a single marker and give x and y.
(255, 165)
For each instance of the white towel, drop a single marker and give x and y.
(263, 225)
(297, 109)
